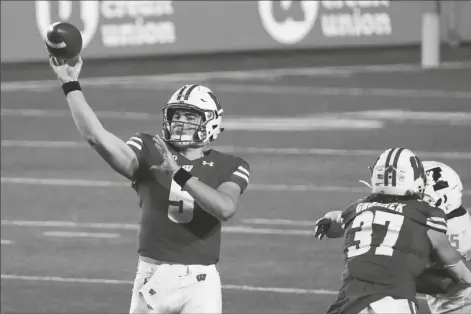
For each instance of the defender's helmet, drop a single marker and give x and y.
(398, 171)
(444, 188)
(197, 99)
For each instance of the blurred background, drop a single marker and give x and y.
(312, 92)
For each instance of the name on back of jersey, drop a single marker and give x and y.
(396, 207)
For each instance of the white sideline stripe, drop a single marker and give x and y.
(69, 224)
(252, 150)
(246, 74)
(7, 242)
(119, 226)
(301, 123)
(144, 83)
(98, 183)
(397, 115)
(253, 187)
(67, 234)
(43, 144)
(129, 282)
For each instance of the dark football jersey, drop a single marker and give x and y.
(386, 248)
(173, 228)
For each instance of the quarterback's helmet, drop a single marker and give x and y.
(197, 99)
(444, 188)
(398, 171)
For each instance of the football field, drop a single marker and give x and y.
(69, 222)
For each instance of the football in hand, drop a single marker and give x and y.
(63, 41)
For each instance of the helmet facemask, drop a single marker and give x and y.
(185, 125)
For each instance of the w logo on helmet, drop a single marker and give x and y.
(398, 171)
(419, 171)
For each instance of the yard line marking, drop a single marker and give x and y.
(7, 242)
(251, 187)
(129, 282)
(67, 234)
(373, 117)
(280, 290)
(279, 222)
(119, 226)
(338, 91)
(251, 230)
(253, 150)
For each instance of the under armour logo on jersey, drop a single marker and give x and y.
(208, 163)
(201, 277)
(187, 167)
(175, 157)
(152, 292)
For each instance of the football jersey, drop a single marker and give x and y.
(457, 300)
(386, 247)
(173, 227)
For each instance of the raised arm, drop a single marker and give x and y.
(111, 148)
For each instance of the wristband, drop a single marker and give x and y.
(182, 176)
(70, 87)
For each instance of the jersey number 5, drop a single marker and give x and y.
(365, 222)
(180, 205)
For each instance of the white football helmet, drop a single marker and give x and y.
(398, 171)
(198, 99)
(444, 188)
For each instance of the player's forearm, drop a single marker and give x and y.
(85, 119)
(211, 200)
(460, 272)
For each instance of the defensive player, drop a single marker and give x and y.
(184, 192)
(389, 236)
(445, 189)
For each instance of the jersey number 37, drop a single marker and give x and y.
(365, 221)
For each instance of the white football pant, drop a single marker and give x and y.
(166, 289)
(388, 305)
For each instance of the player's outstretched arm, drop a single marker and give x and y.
(449, 257)
(112, 149)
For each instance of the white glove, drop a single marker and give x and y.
(64, 71)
